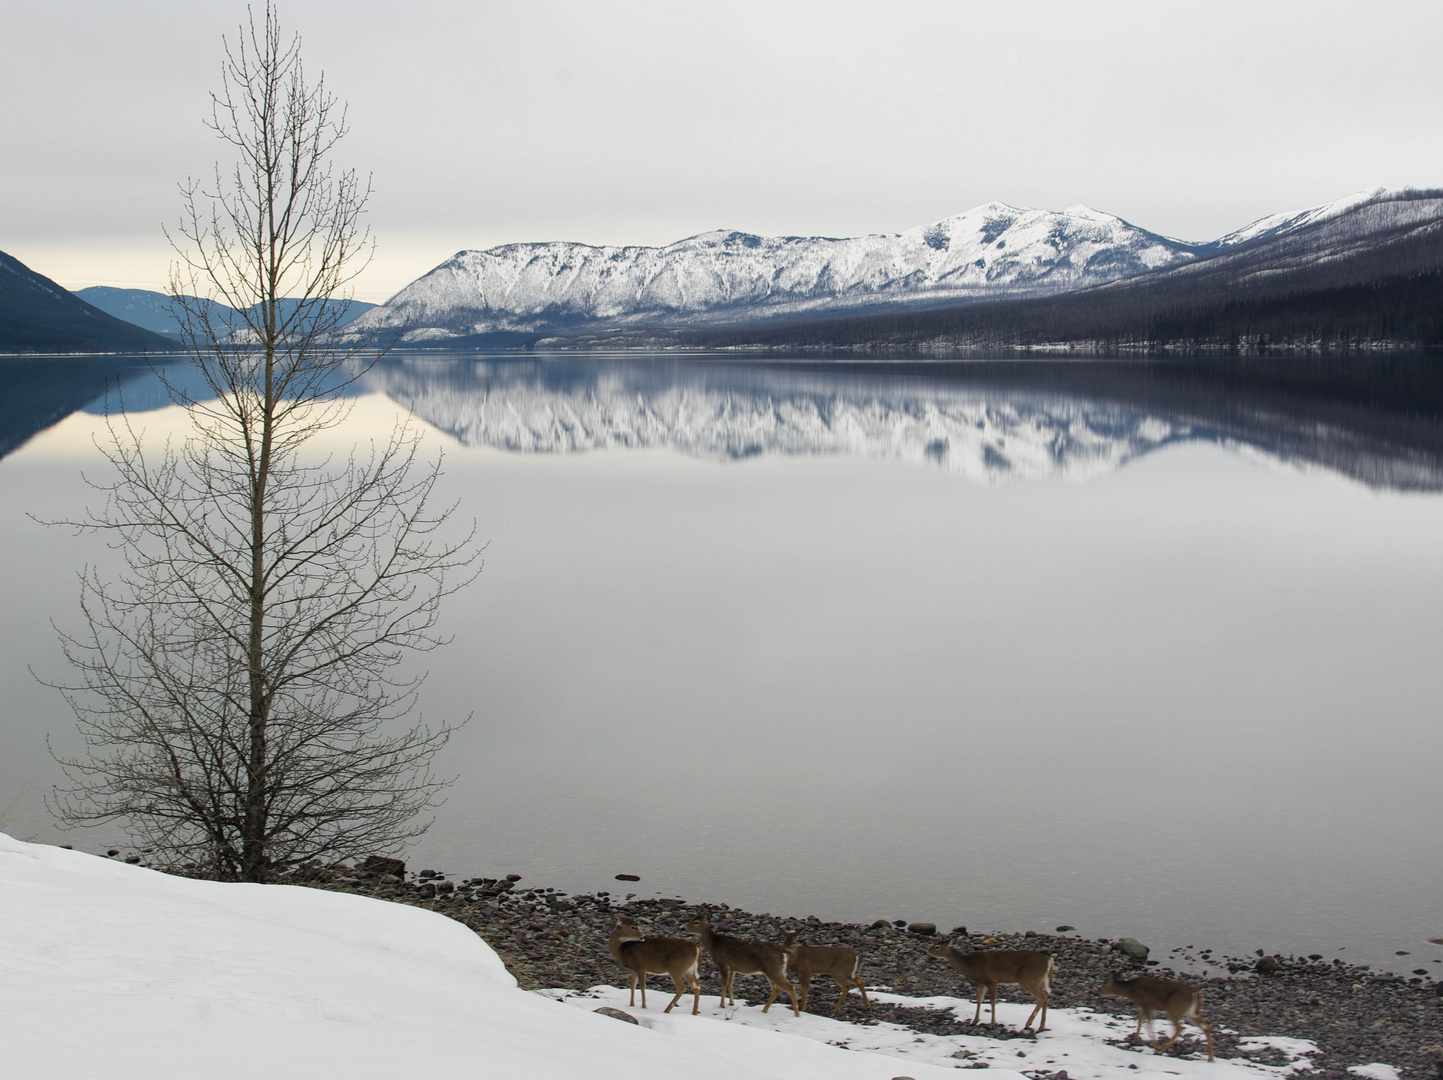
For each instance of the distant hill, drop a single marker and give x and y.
(151, 310)
(38, 316)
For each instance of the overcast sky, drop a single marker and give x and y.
(491, 122)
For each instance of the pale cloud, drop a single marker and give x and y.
(486, 123)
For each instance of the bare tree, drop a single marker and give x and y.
(238, 691)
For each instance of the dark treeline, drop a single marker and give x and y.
(1178, 315)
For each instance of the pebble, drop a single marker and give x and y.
(628, 877)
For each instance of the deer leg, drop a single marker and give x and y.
(695, 981)
(994, 1006)
(1208, 1031)
(1041, 1006)
(775, 991)
(793, 991)
(1033, 1014)
(977, 1015)
(841, 998)
(725, 985)
(643, 988)
(1176, 1034)
(680, 989)
(633, 989)
(862, 986)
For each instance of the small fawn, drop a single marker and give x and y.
(744, 956)
(1177, 999)
(835, 960)
(639, 954)
(985, 970)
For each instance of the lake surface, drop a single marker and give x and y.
(1149, 650)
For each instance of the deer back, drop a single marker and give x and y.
(1025, 967)
(745, 956)
(661, 955)
(1176, 999)
(837, 960)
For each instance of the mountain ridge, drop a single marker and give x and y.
(151, 310)
(993, 253)
(725, 275)
(38, 316)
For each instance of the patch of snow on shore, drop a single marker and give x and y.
(117, 971)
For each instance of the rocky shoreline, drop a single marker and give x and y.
(549, 939)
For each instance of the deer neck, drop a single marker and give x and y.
(614, 944)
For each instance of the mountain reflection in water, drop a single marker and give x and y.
(1378, 422)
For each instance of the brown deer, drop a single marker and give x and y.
(639, 954)
(744, 956)
(835, 960)
(985, 970)
(1177, 999)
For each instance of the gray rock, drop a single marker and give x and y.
(1132, 947)
(379, 864)
(1063, 929)
(929, 929)
(881, 924)
(617, 1014)
(628, 877)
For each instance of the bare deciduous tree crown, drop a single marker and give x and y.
(237, 690)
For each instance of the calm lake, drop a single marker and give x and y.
(1152, 650)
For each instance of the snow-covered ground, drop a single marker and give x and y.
(113, 971)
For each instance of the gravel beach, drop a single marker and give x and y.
(549, 939)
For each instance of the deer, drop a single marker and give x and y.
(1028, 968)
(639, 954)
(835, 960)
(1177, 999)
(744, 956)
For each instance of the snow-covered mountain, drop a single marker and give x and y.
(991, 251)
(1396, 205)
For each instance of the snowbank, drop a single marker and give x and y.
(114, 971)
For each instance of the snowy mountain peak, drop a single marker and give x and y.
(729, 275)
